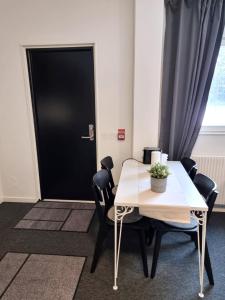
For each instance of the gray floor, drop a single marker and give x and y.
(177, 273)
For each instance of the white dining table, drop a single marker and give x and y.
(179, 203)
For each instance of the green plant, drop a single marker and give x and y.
(159, 171)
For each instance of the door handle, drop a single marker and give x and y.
(91, 136)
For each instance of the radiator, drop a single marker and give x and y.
(214, 167)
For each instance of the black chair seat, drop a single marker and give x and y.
(129, 218)
(142, 224)
(103, 191)
(182, 226)
(207, 188)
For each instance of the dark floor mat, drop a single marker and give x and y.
(79, 220)
(35, 276)
(54, 216)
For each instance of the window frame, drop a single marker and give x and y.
(214, 129)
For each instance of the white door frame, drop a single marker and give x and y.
(28, 97)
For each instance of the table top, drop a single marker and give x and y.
(134, 189)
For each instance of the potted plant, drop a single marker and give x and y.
(159, 174)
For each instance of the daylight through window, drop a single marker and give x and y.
(215, 110)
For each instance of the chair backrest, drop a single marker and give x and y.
(102, 193)
(107, 164)
(207, 188)
(190, 166)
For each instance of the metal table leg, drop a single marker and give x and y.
(201, 217)
(120, 212)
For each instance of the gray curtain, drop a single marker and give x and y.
(194, 30)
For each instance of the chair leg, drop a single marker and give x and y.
(158, 239)
(194, 238)
(149, 235)
(141, 235)
(98, 247)
(208, 266)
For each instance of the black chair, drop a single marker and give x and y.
(190, 166)
(135, 222)
(107, 164)
(207, 189)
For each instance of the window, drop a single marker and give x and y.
(214, 119)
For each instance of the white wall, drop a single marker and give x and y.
(108, 24)
(209, 144)
(1, 192)
(149, 32)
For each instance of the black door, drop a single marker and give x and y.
(62, 88)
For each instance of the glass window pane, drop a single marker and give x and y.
(215, 110)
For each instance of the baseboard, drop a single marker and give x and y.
(219, 208)
(66, 200)
(34, 200)
(19, 199)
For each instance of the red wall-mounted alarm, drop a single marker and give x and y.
(121, 134)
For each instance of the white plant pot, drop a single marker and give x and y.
(158, 185)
